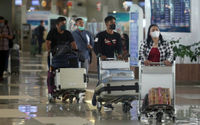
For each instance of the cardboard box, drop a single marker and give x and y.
(159, 96)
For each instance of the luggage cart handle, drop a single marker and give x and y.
(155, 63)
(86, 78)
(109, 59)
(112, 59)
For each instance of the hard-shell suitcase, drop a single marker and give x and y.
(71, 78)
(115, 64)
(50, 82)
(114, 75)
(117, 83)
(117, 88)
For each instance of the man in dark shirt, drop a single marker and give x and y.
(59, 35)
(108, 46)
(109, 41)
(40, 33)
(4, 45)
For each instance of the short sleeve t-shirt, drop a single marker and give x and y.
(57, 38)
(108, 44)
(41, 30)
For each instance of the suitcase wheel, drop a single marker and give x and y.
(159, 117)
(71, 100)
(51, 99)
(174, 119)
(99, 106)
(126, 107)
(139, 118)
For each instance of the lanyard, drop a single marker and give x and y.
(82, 37)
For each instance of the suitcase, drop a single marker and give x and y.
(159, 96)
(15, 61)
(115, 64)
(118, 88)
(50, 82)
(117, 75)
(71, 78)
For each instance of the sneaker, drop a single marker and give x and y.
(81, 97)
(6, 73)
(51, 98)
(108, 107)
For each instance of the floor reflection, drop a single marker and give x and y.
(23, 101)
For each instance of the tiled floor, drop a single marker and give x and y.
(23, 101)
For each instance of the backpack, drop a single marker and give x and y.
(10, 44)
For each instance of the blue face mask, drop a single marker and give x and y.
(63, 27)
(81, 28)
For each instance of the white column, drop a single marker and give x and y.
(23, 11)
(23, 19)
(54, 7)
(104, 11)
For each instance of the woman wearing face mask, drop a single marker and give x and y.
(155, 49)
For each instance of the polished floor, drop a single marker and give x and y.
(23, 101)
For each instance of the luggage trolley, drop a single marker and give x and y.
(155, 76)
(70, 83)
(116, 83)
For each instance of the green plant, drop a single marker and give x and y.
(197, 51)
(192, 51)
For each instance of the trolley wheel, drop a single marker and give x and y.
(52, 100)
(71, 100)
(99, 106)
(77, 100)
(159, 116)
(139, 118)
(126, 107)
(174, 119)
(64, 97)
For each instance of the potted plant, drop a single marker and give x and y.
(197, 52)
(182, 51)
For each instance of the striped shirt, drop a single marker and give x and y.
(165, 49)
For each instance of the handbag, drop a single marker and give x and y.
(61, 49)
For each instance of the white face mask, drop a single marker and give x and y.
(155, 34)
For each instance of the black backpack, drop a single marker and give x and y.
(10, 44)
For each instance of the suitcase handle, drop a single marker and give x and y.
(86, 78)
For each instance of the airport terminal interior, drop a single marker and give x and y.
(123, 88)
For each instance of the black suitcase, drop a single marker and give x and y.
(65, 61)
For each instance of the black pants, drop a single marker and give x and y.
(3, 58)
(40, 47)
(48, 61)
(7, 59)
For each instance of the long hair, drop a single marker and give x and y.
(149, 39)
